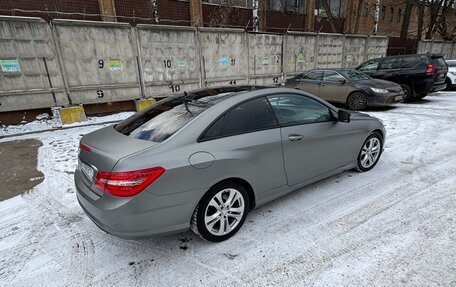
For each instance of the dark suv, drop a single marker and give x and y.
(418, 74)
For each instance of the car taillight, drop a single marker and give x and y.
(84, 147)
(430, 69)
(129, 183)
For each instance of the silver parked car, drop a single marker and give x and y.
(203, 159)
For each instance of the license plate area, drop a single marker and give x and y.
(88, 171)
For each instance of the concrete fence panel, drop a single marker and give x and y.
(300, 53)
(265, 58)
(99, 60)
(354, 50)
(330, 49)
(447, 48)
(170, 59)
(377, 47)
(29, 69)
(224, 56)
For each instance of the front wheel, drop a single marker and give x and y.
(357, 101)
(221, 212)
(370, 152)
(408, 93)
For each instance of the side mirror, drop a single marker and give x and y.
(343, 116)
(343, 82)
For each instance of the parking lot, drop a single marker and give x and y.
(394, 225)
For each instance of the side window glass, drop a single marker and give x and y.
(369, 66)
(313, 75)
(410, 62)
(331, 76)
(391, 64)
(250, 116)
(293, 109)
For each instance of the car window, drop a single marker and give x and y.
(313, 75)
(369, 66)
(249, 116)
(292, 109)
(390, 64)
(355, 75)
(438, 61)
(410, 62)
(332, 76)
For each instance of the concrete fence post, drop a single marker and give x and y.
(58, 51)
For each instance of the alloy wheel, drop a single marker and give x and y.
(224, 211)
(370, 152)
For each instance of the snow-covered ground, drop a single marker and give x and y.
(392, 226)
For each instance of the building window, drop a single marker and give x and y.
(383, 12)
(275, 5)
(337, 8)
(392, 14)
(296, 6)
(399, 15)
(235, 3)
(365, 10)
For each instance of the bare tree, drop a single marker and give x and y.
(225, 14)
(329, 15)
(406, 20)
(438, 10)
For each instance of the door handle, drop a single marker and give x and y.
(295, 137)
(322, 84)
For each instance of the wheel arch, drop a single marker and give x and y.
(245, 184)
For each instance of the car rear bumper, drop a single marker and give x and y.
(439, 87)
(144, 215)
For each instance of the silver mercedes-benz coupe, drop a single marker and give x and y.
(203, 159)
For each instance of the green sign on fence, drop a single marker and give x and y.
(10, 66)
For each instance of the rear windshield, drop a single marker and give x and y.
(165, 118)
(439, 62)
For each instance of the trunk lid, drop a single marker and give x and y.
(104, 148)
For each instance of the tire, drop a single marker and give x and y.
(367, 159)
(408, 93)
(357, 101)
(448, 83)
(216, 211)
(421, 96)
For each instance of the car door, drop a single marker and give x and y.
(246, 143)
(390, 69)
(310, 82)
(333, 87)
(313, 143)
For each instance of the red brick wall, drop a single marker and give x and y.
(278, 21)
(224, 16)
(66, 6)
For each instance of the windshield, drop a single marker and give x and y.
(165, 118)
(355, 75)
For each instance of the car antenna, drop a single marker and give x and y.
(186, 100)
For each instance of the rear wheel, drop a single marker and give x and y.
(357, 101)
(221, 212)
(420, 96)
(408, 94)
(370, 152)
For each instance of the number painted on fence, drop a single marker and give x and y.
(233, 62)
(167, 63)
(233, 83)
(100, 64)
(100, 94)
(275, 80)
(175, 88)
